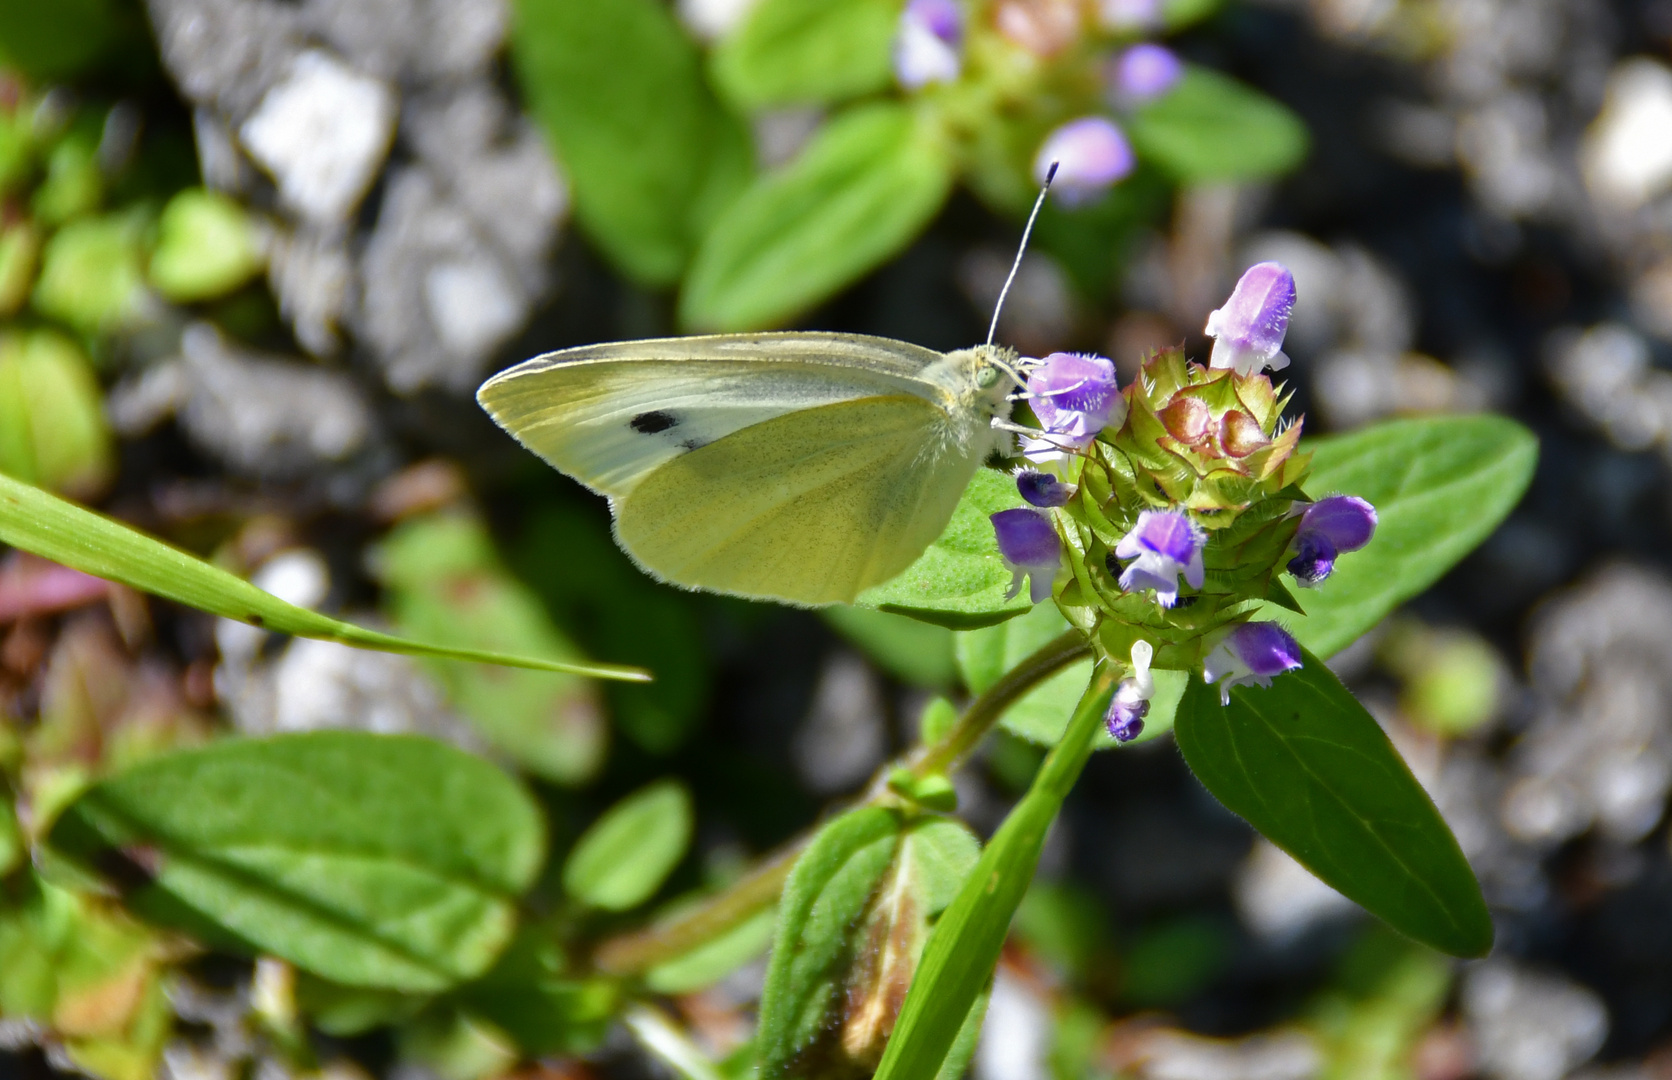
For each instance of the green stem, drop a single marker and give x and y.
(637, 952)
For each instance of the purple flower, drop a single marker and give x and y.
(928, 44)
(1091, 154)
(1074, 397)
(1164, 543)
(1029, 545)
(1248, 331)
(1328, 528)
(1129, 706)
(1043, 489)
(1143, 73)
(1251, 653)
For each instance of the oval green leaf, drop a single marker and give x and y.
(807, 52)
(625, 856)
(1440, 485)
(1211, 128)
(55, 529)
(960, 581)
(370, 860)
(1304, 763)
(861, 191)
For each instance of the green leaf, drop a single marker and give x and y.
(207, 245)
(807, 52)
(861, 190)
(1440, 486)
(713, 960)
(985, 654)
(92, 273)
(652, 157)
(1304, 763)
(917, 652)
(370, 860)
(52, 528)
(960, 581)
(625, 856)
(943, 851)
(533, 999)
(965, 944)
(1212, 128)
(444, 583)
(827, 891)
(60, 39)
(52, 423)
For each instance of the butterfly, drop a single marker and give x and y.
(802, 467)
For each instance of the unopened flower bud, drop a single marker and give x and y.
(1043, 489)
(1328, 528)
(928, 47)
(1248, 331)
(1129, 706)
(1074, 397)
(1164, 543)
(1251, 653)
(1029, 546)
(1142, 73)
(1091, 154)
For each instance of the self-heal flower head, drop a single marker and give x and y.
(1164, 543)
(1329, 528)
(1248, 331)
(1143, 73)
(1251, 653)
(1074, 397)
(1042, 489)
(1029, 545)
(928, 46)
(1129, 706)
(1091, 154)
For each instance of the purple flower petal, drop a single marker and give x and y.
(1170, 534)
(1314, 559)
(1248, 331)
(1042, 489)
(1092, 154)
(1073, 394)
(1253, 652)
(928, 44)
(1143, 73)
(1347, 520)
(1029, 545)
(1125, 719)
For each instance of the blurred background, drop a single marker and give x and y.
(255, 256)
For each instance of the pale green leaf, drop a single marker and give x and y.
(622, 860)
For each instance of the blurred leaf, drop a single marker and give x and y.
(625, 856)
(444, 583)
(1171, 963)
(454, 1045)
(343, 1011)
(92, 276)
(713, 960)
(370, 860)
(52, 424)
(860, 191)
(14, 847)
(960, 581)
(20, 250)
(1440, 486)
(618, 89)
(1091, 242)
(1067, 924)
(545, 1008)
(1384, 999)
(1178, 14)
(985, 654)
(807, 52)
(1212, 128)
(60, 39)
(569, 557)
(73, 185)
(965, 944)
(52, 528)
(207, 246)
(827, 892)
(917, 652)
(1304, 763)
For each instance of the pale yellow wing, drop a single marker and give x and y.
(811, 507)
(610, 414)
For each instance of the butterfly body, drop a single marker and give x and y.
(803, 467)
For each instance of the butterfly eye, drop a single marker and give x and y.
(986, 377)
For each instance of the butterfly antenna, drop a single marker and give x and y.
(1044, 189)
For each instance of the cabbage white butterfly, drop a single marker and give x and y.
(797, 466)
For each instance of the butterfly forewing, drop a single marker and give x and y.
(609, 415)
(812, 507)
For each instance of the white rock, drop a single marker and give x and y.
(1016, 1034)
(1279, 899)
(1528, 1025)
(844, 735)
(1627, 153)
(710, 20)
(472, 304)
(322, 134)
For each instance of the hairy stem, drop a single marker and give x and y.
(637, 952)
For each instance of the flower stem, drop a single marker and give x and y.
(637, 952)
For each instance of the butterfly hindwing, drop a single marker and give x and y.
(812, 506)
(609, 415)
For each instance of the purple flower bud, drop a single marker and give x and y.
(1043, 489)
(1074, 397)
(928, 44)
(1248, 331)
(1091, 153)
(1164, 543)
(1129, 706)
(1143, 73)
(1328, 528)
(1250, 654)
(1029, 545)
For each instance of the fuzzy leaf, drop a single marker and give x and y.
(807, 52)
(1211, 128)
(625, 856)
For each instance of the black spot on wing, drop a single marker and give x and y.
(649, 423)
(694, 444)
